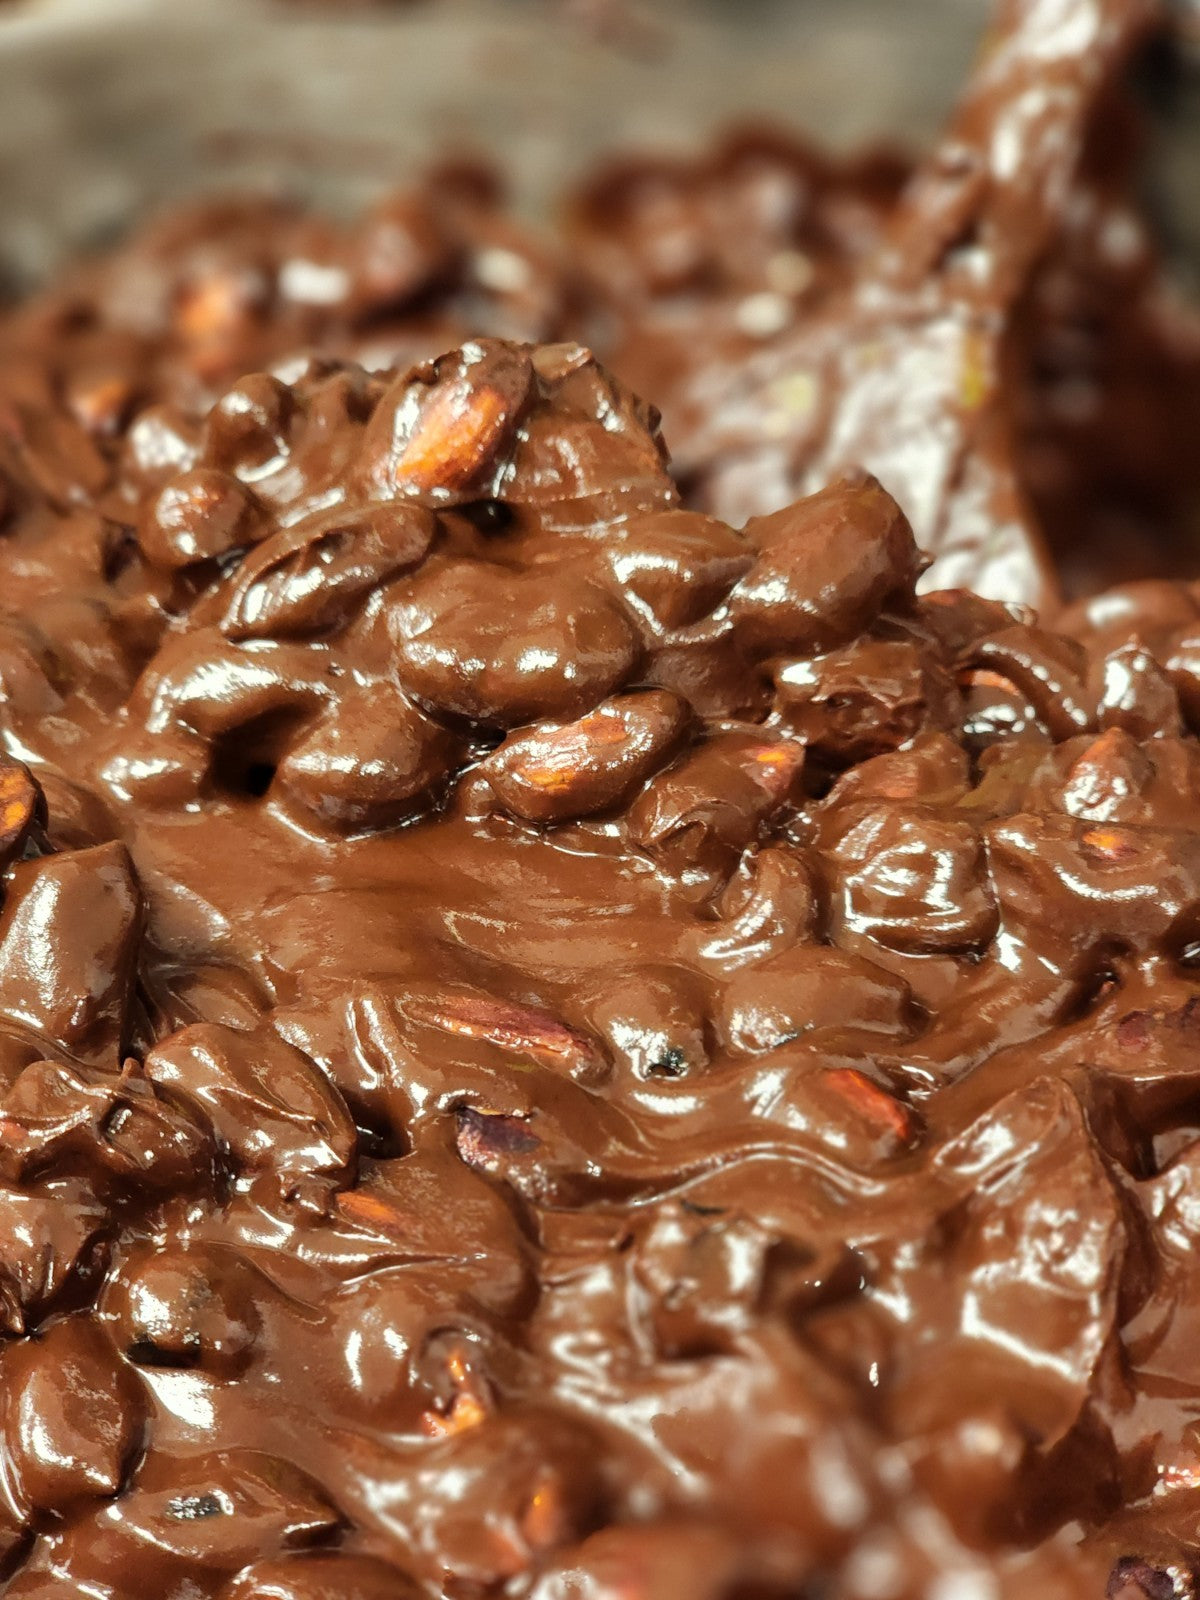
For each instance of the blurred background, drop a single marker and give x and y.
(107, 107)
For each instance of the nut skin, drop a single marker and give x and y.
(604, 1007)
(439, 436)
(22, 807)
(560, 772)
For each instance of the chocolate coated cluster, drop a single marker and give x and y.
(554, 1046)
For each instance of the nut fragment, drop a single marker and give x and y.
(365, 1209)
(469, 1405)
(20, 804)
(487, 1140)
(100, 399)
(438, 431)
(881, 1109)
(1107, 779)
(1134, 1579)
(870, 697)
(515, 1029)
(1114, 845)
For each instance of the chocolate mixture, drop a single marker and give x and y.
(555, 1047)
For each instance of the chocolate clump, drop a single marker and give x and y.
(523, 966)
(552, 1045)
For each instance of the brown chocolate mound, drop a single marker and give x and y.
(556, 1048)
(553, 1047)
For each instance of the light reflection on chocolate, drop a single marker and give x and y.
(552, 1046)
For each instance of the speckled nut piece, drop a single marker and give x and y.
(555, 1045)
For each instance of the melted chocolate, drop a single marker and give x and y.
(552, 1046)
(689, 1087)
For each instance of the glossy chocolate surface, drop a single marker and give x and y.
(552, 1046)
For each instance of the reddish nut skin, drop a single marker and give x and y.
(439, 435)
(516, 1029)
(828, 565)
(488, 1140)
(74, 1416)
(213, 308)
(875, 1105)
(21, 804)
(199, 516)
(463, 1395)
(100, 399)
(1134, 1579)
(559, 773)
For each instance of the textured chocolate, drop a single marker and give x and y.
(552, 1046)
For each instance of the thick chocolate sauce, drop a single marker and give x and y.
(553, 1047)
